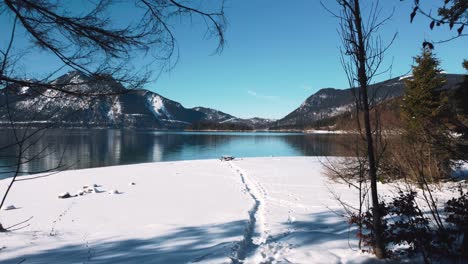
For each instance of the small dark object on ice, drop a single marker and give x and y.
(226, 158)
(65, 195)
(114, 192)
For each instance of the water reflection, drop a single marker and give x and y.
(81, 148)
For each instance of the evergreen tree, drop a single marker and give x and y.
(460, 115)
(425, 110)
(423, 102)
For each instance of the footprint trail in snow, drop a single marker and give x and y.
(256, 243)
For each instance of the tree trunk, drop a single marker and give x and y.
(464, 247)
(379, 247)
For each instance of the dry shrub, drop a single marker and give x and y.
(412, 162)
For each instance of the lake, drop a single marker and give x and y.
(86, 148)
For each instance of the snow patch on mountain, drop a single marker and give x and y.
(77, 79)
(158, 107)
(24, 90)
(339, 110)
(115, 110)
(405, 77)
(229, 120)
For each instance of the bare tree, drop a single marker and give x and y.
(363, 52)
(93, 44)
(88, 41)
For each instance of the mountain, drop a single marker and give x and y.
(255, 122)
(143, 109)
(76, 81)
(120, 108)
(212, 115)
(330, 102)
(217, 120)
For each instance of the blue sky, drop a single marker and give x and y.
(280, 52)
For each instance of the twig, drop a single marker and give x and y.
(19, 223)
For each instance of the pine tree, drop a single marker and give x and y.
(425, 109)
(423, 103)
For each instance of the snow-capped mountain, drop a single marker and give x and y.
(330, 102)
(143, 109)
(76, 81)
(118, 108)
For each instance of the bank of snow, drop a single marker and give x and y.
(258, 210)
(176, 212)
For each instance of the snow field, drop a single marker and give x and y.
(256, 210)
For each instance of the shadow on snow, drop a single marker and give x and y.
(320, 228)
(197, 244)
(185, 245)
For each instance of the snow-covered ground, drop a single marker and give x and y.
(315, 131)
(297, 219)
(263, 210)
(177, 212)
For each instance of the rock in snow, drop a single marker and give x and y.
(9, 207)
(227, 158)
(64, 195)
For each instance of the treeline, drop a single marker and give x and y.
(219, 126)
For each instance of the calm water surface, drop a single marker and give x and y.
(81, 148)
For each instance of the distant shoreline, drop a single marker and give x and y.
(305, 131)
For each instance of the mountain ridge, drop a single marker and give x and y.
(145, 109)
(124, 108)
(330, 102)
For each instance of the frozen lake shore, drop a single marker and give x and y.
(259, 210)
